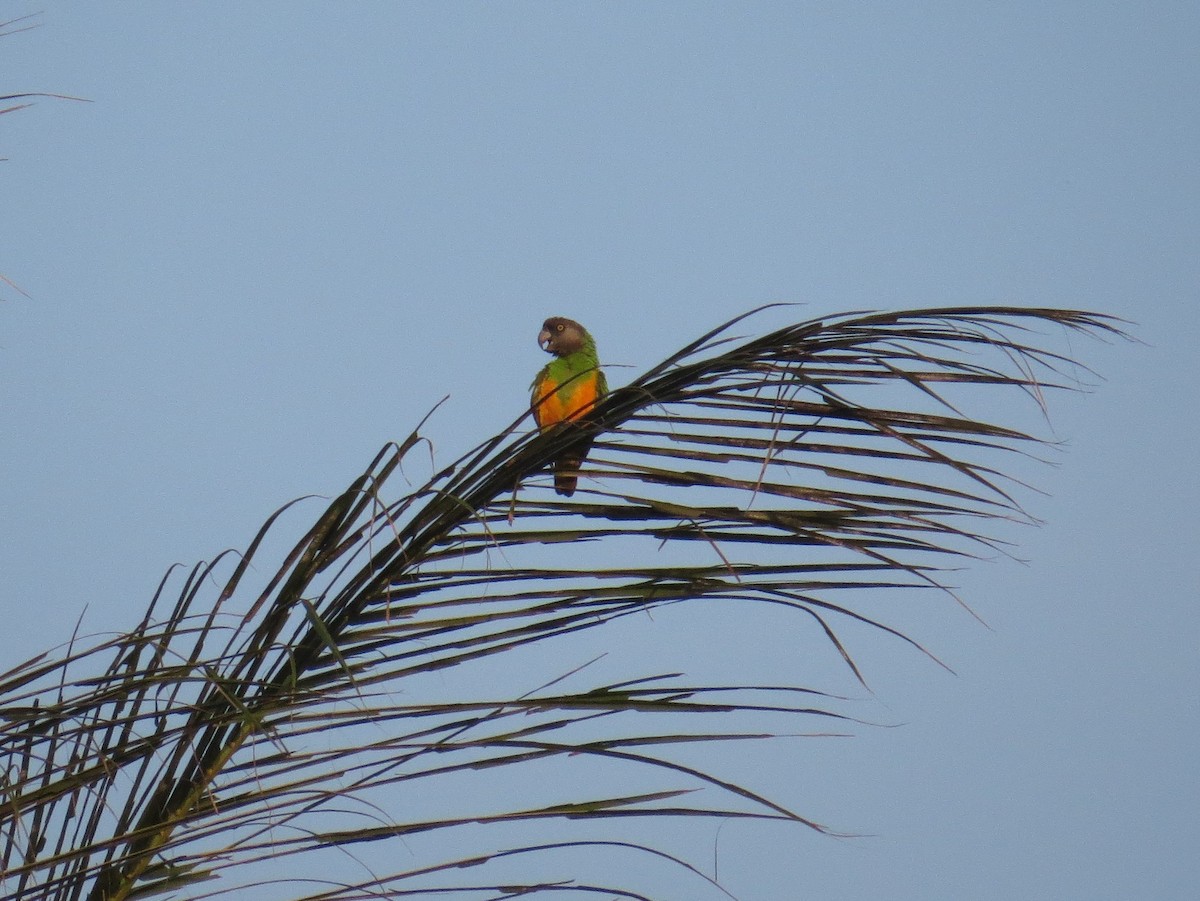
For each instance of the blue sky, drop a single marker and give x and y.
(278, 233)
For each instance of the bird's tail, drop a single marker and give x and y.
(566, 473)
(566, 467)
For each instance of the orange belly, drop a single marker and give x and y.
(570, 402)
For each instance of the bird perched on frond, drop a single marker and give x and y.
(566, 390)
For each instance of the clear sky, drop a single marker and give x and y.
(279, 232)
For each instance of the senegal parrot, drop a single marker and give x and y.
(566, 389)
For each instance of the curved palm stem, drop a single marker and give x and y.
(825, 458)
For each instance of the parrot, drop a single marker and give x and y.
(566, 389)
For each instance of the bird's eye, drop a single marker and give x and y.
(559, 327)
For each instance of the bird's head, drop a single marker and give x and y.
(561, 336)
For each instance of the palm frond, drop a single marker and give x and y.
(313, 717)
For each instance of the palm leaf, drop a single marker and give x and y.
(311, 718)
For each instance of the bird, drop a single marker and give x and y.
(566, 391)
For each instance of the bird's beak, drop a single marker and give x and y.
(544, 340)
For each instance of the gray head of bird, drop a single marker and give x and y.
(561, 336)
